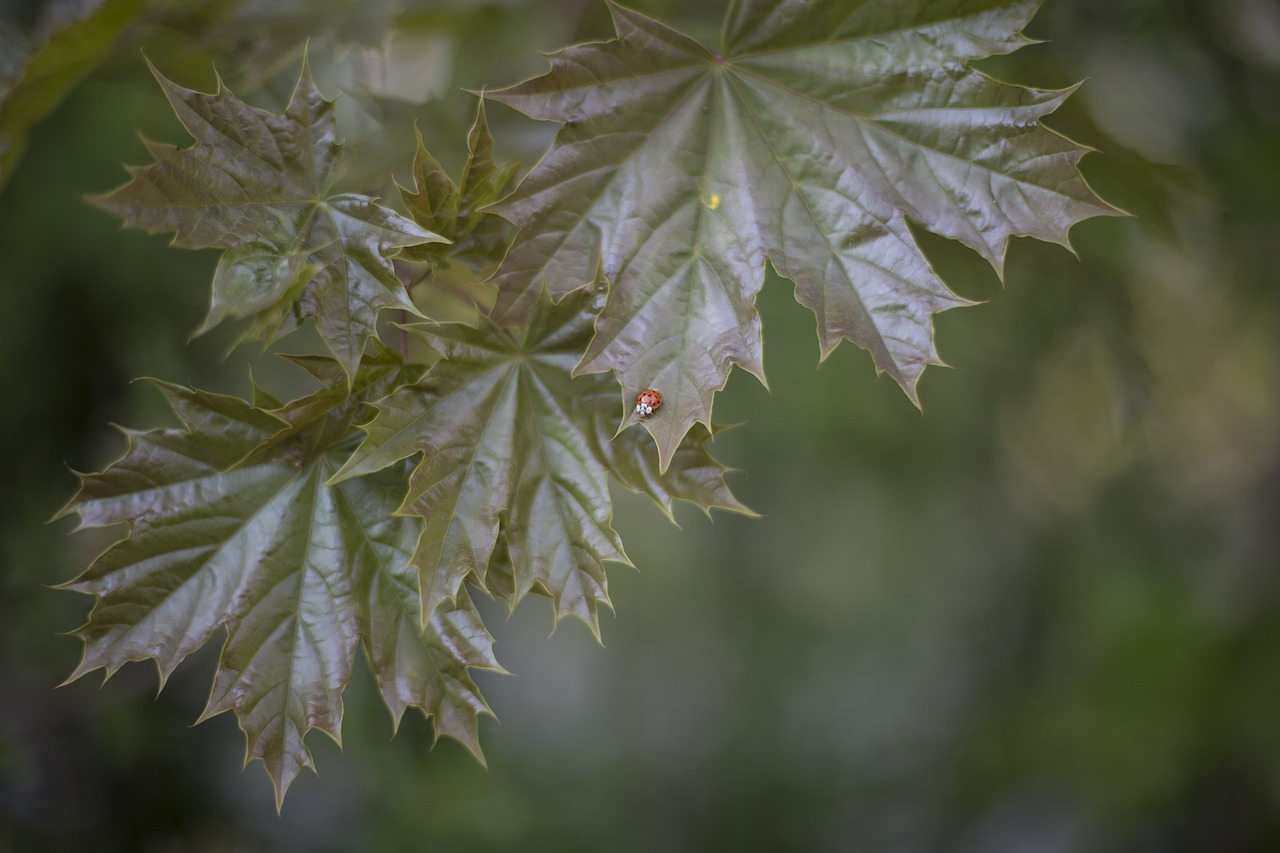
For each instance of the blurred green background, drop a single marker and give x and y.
(1042, 616)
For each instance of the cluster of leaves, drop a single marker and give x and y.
(808, 140)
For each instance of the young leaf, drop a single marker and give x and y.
(513, 445)
(808, 140)
(259, 186)
(232, 523)
(455, 212)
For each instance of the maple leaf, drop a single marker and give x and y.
(515, 454)
(232, 523)
(259, 186)
(809, 139)
(455, 211)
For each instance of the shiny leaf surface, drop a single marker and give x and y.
(809, 139)
(259, 186)
(232, 524)
(513, 446)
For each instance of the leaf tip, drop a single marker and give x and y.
(71, 507)
(163, 672)
(151, 66)
(468, 739)
(82, 669)
(103, 200)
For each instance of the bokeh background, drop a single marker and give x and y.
(1044, 615)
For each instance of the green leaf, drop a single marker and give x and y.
(233, 523)
(809, 140)
(515, 455)
(259, 186)
(479, 238)
(74, 48)
(381, 371)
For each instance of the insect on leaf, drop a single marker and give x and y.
(808, 139)
(513, 445)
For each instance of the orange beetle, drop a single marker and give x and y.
(648, 402)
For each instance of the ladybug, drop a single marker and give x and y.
(648, 402)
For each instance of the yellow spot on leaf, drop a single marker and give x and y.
(713, 202)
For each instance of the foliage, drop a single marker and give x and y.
(809, 139)
(233, 523)
(259, 186)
